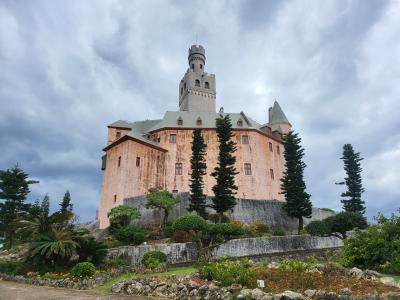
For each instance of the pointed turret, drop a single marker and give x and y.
(277, 119)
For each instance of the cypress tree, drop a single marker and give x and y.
(198, 168)
(66, 205)
(14, 188)
(225, 188)
(298, 204)
(352, 201)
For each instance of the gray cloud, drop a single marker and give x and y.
(70, 68)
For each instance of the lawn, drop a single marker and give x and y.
(106, 287)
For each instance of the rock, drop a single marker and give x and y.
(246, 293)
(388, 281)
(257, 294)
(277, 297)
(345, 292)
(356, 272)
(289, 295)
(267, 297)
(391, 296)
(273, 265)
(372, 273)
(310, 293)
(117, 287)
(226, 296)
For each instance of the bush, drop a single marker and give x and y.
(168, 230)
(131, 234)
(227, 272)
(215, 218)
(292, 265)
(9, 266)
(279, 232)
(116, 262)
(318, 228)
(182, 236)
(152, 259)
(345, 221)
(122, 216)
(83, 270)
(91, 250)
(189, 222)
(256, 229)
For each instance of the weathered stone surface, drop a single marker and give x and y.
(389, 281)
(257, 294)
(289, 295)
(246, 292)
(356, 272)
(310, 293)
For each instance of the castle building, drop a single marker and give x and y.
(142, 155)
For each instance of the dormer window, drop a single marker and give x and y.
(197, 82)
(199, 122)
(206, 85)
(240, 123)
(179, 121)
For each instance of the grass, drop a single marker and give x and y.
(396, 277)
(106, 287)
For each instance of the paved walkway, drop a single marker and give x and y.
(10, 290)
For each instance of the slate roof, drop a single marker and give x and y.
(277, 115)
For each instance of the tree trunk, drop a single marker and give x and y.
(300, 224)
(165, 220)
(221, 214)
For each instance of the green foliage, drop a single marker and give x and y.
(376, 248)
(352, 197)
(227, 272)
(217, 218)
(122, 215)
(116, 262)
(91, 250)
(190, 222)
(318, 228)
(225, 172)
(198, 167)
(298, 204)
(168, 230)
(328, 209)
(9, 266)
(279, 232)
(162, 200)
(153, 259)
(131, 234)
(83, 270)
(225, 231)
(292, 265)
(256, 229)
(66, 205)
(14, 188)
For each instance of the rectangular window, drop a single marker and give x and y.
(115, 198)
(172, 138)
(247, 169)
(270, 146)
(271, 172)
(245, 139)
(137, 161)
(278, 150)
(118, 135)
(178, 169)
(119, 161)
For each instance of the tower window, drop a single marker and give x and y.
(271, 172)
(137, 161)
(247, 169)
(181, 90)
(115, 198)
(119, 161)
(192, 66)
(240, 123)
(201, 66)
(118, 135)
(172, 138)
(207, 85)
(184, 86)
(278, 150)
(270, 146)
(199, 122)
(178, 169)
(197, 82)
(245, 139)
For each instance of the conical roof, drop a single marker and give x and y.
(277, 115)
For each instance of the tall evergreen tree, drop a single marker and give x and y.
(225, 172)
(14, 188)
(66, 205)
(298, 204)
(198, 168)
(352, 166)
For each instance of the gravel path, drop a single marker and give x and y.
(10, 290)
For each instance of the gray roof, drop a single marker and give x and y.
(121, 123)
(277, 115)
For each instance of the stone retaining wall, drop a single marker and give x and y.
(184, 253)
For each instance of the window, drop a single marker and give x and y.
(240, 123)
(181, 91)
(115, 198)
(192, 66)
(197, 82)
(179, 121)
(271, 172)
(206, 85)
(119, 161)
(178, 169)
(118, 135)
(198, 122)
(270, 146)
(184, 86)
(172, 138)
(247, 169)
(245, 139)
(278, 150)
(137, 161)
(201, 66)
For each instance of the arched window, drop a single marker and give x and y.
(179, 121)
(192, 66)
(206, 85)
(240, 123)
(201, 66)
(198, 122)
(181, 91)
(197, 82)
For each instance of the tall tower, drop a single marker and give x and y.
(197, 91)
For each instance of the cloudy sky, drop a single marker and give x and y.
(69, 68)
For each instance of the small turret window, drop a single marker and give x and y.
(240, 123)
(201, 66)
(199, 122)
(192, 66)
(207, 85)
(179, 121)
(197, 82)
(181, 91)
(184, 85)
(118, 135)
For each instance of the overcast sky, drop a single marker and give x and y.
(69, 68)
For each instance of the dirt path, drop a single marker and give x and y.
(18, 291)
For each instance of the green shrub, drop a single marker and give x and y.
(83, 270)
(168, 230)
(116, 262)
(318, 228)
(152, 259)
(345, 221)
(9, 266)
(279, 232)
(91, 250)
(226, 230)
(292, 265)
(122, 216)
(215, 218)
(131, 234)
(189, 222)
